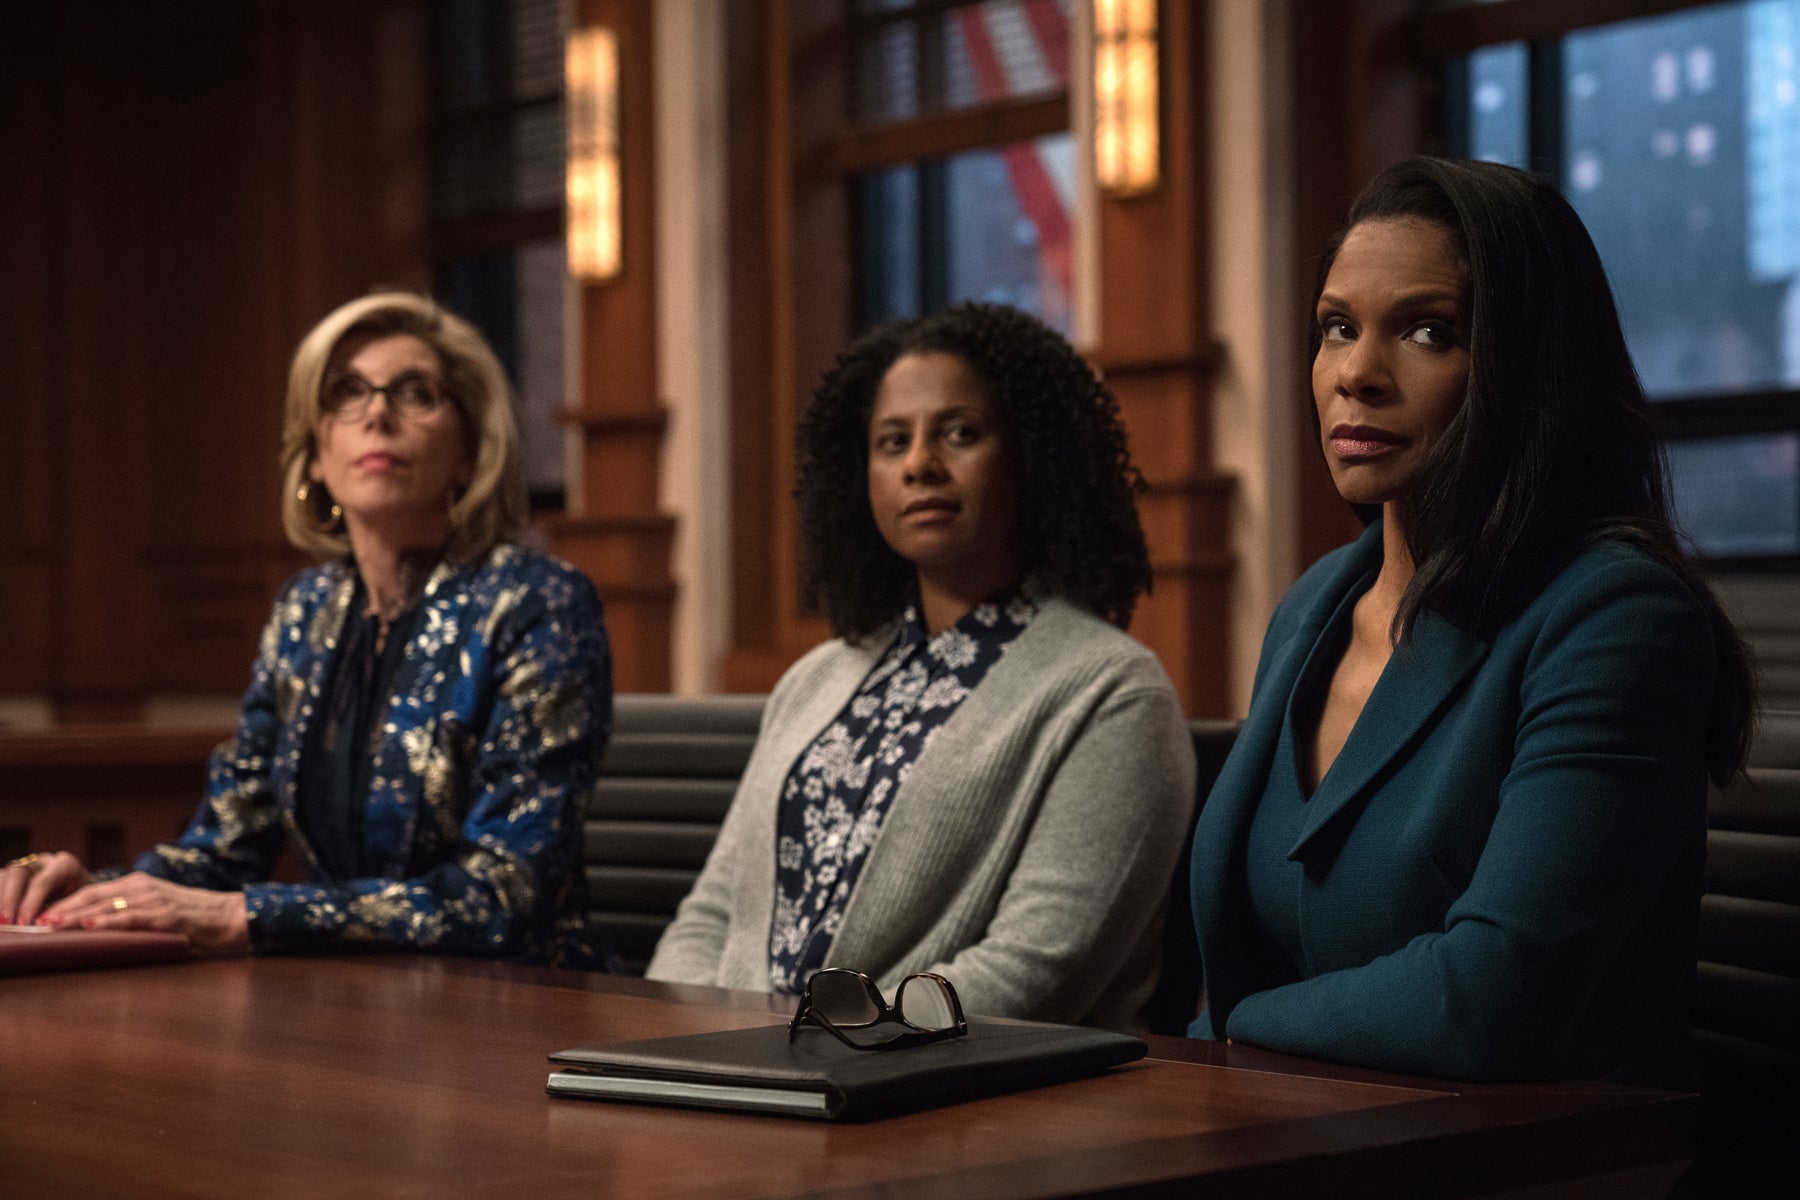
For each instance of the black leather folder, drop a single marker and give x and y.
(759, 1070)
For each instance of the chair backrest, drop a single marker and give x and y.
(1177, 997)
(1747, 1000)
(667, 780)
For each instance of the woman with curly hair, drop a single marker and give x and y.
(982, 776)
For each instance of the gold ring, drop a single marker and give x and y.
(31, 862)
(120, 904)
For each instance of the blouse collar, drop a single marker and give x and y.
(998, 620)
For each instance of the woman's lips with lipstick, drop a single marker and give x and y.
(1363, 441)
(377, 460)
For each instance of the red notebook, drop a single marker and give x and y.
(31, 949)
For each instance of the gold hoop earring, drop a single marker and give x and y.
(304, 495)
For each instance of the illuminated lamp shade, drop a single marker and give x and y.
(1126, 137)
(591, 72)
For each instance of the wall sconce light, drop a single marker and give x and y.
(591, 73)
(1126, 136)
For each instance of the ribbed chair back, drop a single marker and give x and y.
(1747, 1002)
(667, 780)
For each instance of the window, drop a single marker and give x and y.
(1677, 139)
(941, 211)
(497, 202)
(985, 225)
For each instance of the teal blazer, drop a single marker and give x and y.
(1502, 868)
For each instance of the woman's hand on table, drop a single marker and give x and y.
(29, 884)
(213, 922)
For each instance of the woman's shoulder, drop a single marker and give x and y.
(1613, 591)
(832, 658)
(1062, 639)
(822, 678)
(310, 587)
(511, 570)
(1084, 629)
(1066, 638)
(1611, 572)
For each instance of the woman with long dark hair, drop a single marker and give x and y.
(1462, 830)
(982, 776)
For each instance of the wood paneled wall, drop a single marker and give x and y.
(1158, 355)
(106, 792)
(790, 310)
(189, 186)
(615, 531)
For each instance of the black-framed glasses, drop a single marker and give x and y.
(347, 396)
(838, 999)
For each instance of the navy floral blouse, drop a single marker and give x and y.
(838, 793)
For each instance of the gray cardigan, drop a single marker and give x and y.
(1027, 856)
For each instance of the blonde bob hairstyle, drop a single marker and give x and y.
(492, 508)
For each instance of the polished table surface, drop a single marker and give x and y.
(410, 1076)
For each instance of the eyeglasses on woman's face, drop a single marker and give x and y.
(848, 1005)
(412, 396)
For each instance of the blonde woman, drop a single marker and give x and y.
(429, 704)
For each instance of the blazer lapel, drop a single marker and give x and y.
(317, 645)
(1245, 775)
(1225, 814)
(1426, 669)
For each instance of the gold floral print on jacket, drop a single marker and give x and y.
(487, 753)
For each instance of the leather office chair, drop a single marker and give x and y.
(1747, 1003)
(667, 780)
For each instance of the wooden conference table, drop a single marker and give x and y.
(415, 1077)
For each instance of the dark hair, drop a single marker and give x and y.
(1552, 449)
(1078, 525)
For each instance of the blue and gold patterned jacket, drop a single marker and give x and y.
(501, 710)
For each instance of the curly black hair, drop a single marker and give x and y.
(1078, 533)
